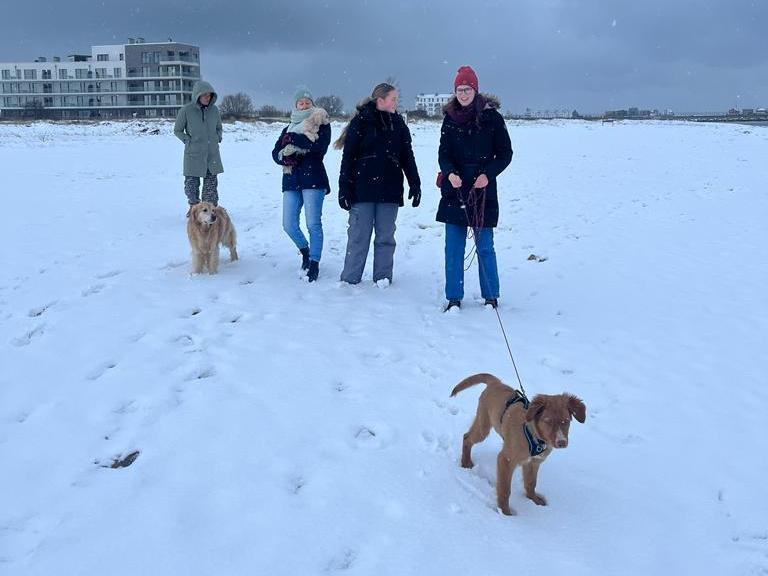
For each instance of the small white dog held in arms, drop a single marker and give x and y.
(207, 227)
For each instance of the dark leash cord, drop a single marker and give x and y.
(475, 225)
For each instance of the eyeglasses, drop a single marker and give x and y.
(466, 90)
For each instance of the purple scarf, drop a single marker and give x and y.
(466, 114)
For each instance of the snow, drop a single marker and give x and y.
(294, 428)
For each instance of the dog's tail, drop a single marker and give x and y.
(476, 379)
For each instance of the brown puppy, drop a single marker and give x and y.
(207, 227)
(546, 421)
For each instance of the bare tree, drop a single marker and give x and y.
(236, 106)
(332, 104)
(270, 111)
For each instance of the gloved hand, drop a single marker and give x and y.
(344, 202)
(416, 196)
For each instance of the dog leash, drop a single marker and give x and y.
(475, 232)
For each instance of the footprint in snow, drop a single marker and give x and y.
(202, 374)
(110, 274)
(100, 370)
(40, 310)
(95, 289)
(173, 264)
(27, 338)
(342, 561)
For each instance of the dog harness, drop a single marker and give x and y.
(535, 445)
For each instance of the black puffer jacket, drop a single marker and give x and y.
(480, 146)
(377, 151)
(310, 173)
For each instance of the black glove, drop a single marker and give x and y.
(344, 202)
(416, 195)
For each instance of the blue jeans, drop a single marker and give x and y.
(312, 200)
(455, 242)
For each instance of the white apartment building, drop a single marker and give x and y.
(137, 79)
(432, 104)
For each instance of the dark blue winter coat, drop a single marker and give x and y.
(377, 150)
(477, 147)
(310, 172)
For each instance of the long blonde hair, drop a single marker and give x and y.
(380, 91)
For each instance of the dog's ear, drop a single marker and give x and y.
(577, 408)
(536, 407)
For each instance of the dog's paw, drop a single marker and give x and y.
(538, 498)
(467, 463)
(507, 511)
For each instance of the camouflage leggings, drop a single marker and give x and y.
(210, 189)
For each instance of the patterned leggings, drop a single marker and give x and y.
(210, 189)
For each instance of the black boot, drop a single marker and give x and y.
(304, 258)
(452, 304)
(492, 302)
(314, 270)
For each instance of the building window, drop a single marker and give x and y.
(150, 57)
(30, 74)
(118, 72)
(62, 73)
(145, 71)
(81, 73)
(101, 72)
(6, 74)
(102, 57)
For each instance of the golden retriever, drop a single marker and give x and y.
(207, 227)
(528, 435)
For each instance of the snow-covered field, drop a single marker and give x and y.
(287, 428)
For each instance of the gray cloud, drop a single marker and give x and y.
(543, 54)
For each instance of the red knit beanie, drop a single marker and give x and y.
(465, 77)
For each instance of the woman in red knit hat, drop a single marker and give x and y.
(474, 149)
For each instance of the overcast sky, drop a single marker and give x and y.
(543, 54)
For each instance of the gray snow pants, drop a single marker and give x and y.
(210, 189)
(364, 218)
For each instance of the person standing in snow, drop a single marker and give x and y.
(300, 150)
(474, 149)
(377, 151)
(198, 125)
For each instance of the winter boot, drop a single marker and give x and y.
(492, 302)
(452, 304)
(314, 270)
(304, 258)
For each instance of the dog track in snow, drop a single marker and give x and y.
(184, 340)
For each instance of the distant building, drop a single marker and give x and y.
(138, 79)
(432, 104)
